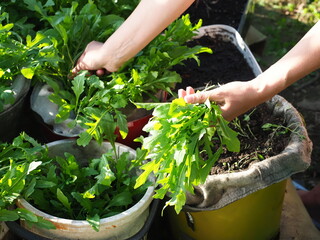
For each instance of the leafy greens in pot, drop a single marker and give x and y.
(63, 187)
(21, 56)
(96, 102)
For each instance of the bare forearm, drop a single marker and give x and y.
(148, 20)
(301, 60)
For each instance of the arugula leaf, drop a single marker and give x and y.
(78, 87)
(27, 215)
(121, 199)
(94, 222)
(7, 215)
(63, 199)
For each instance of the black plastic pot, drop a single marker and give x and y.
(12, 117)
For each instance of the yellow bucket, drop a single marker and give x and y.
(254, 217)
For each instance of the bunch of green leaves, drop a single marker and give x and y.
(97, 103)
(90, 189)
(18, 160)
(18, 56)
(30, 21)
(184, 142)
(72, 28)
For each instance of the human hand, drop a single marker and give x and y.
(234, 98)
(94, 59)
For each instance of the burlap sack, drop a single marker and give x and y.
(221, 190)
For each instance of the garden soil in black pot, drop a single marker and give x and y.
(225, 64)
(229, 12)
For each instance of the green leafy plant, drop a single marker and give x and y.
(278, 129)
(243, 127)
(18, 56)
(63, 186)
(30, 21)
(184, 142)
(94, 103)
(97, 103)
(72, 26)
(17, 161)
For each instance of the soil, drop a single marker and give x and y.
(228, 12)
(225, 64)
(256, 143)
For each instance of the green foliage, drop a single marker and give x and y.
(18, 56)
(17, 161)
(72, 27)
(30, 21)
(97, 102)
(184, 142)
(273, 18)
(278, 129)
(101, 188)
(63, 187)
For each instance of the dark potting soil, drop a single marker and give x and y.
(224, 65)
(228, 64)
(228, 12)
(256, 143)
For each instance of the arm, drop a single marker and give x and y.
(148, 20)
(236, 98)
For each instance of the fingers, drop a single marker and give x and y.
(189, 90)
(190, 96)
(89, 60)
(101, 72)
(226, 113)
(199, 97)
(181, 93)
(80, 65)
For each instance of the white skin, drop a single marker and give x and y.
(236, 98)
(147, 21)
